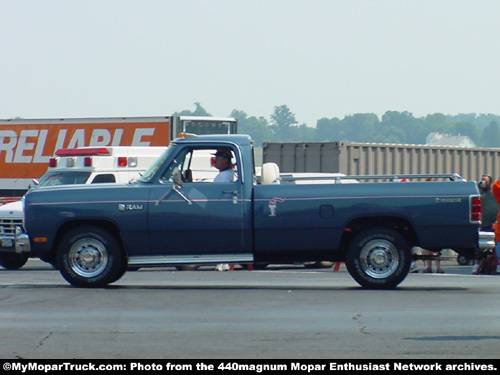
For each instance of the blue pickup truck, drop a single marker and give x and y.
(175, 214)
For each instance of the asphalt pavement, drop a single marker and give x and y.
(281, 312)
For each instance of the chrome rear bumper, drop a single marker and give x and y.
(486, 240)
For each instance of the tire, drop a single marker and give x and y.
(260, 266)
(319, 264)
(13, 261)
(89, 256)
(463, 260)
(124, 268)
(49, 258)
(191, 267)
(378, 258)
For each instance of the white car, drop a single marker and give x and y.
(11, 219)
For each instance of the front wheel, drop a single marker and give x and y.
(378, 258)
(13, 261)
(89, 256)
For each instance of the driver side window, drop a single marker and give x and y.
(195, 165)
(202, 165)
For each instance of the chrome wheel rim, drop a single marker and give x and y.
(88, 257)
(379, 258)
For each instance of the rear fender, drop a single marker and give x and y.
(399, 224)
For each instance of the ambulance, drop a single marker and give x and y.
(91, 165)
(83, 165)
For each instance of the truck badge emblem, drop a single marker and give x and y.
(129, 207)
(272, 205)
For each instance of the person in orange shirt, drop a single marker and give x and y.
(490, 210)
(495, 189)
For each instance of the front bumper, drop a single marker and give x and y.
(18, 244)
(486, 240)
(7, 244)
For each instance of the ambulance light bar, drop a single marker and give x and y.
(91, 151)
(72, 153)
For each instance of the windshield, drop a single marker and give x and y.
(148, 175)
(64, 178)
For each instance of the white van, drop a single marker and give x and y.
(84, 165)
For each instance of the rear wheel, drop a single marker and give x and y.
(89, 256)
(13, 261)
(259, 266)
(378, 258)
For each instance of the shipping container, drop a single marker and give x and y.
(376, 158)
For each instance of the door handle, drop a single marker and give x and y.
(235, 195)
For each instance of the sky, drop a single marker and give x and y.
(321, 58)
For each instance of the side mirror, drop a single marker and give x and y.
(177, 184)
(177, 177)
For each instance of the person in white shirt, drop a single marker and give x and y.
(224, 165)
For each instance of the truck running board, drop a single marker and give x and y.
(157, 260)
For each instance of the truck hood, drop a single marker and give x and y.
(12, 210)
(68, 194)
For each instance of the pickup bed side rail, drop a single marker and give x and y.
(383, 177)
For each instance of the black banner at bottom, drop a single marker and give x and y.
(250, 366)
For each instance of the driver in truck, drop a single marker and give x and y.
(224, 165)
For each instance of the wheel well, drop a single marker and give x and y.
(399, 224)
(110, 227)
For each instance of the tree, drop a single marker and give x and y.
(393, 127)
(467, 129)
(491, 135)
(257, 128)
(328, 130)
(405, 122)
(199, 111)
(361, 127)
(304, 133)
(282, 120)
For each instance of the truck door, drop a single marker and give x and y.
(197, 216)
